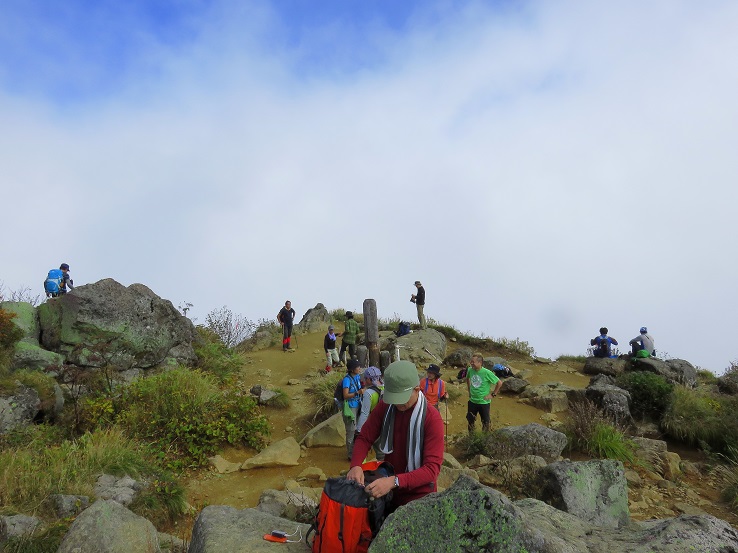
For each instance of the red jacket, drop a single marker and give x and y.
(421, 481)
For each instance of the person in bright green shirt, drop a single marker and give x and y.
(479, 382)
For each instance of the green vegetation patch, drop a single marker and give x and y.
(650, 393)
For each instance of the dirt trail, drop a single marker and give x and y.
(274, 368)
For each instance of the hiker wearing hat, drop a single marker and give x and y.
(410, 435)
(352, 392)
(479, 382)
(58, 282)
(433, 387)
(419, 301)
(350, 335)
(331, 352)
(373, 384)
(642, 345)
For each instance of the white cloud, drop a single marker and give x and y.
(544, 173)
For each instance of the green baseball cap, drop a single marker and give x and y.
(400, 378)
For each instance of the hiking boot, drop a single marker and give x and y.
(327, 368)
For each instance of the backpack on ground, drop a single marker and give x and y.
(53, 282)
(348, 518)
(502, 371)
(402, 329)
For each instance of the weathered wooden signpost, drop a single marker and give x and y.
(371, 329)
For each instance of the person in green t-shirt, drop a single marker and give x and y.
(479, 382)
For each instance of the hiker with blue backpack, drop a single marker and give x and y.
(352, 393)
(603, 344)
(58, 282)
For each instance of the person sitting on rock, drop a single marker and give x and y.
(642, 345)
(603, 344)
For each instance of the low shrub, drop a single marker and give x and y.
(280, 401)
(187, 417)
(650, 393)
(322, 391)
(473, 443)
(214, 356)
(726, 477)
(571, 359)
(43, 466)
(48, 541)
(607, 442)
(699, 417)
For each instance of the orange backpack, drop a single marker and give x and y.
(348, 519)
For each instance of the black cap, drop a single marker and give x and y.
(435, 369)
(352, 364)
(64, 266)
(349, 314)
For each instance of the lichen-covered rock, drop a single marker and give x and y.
(123, 489)
(106, 323)
(676, 371)
(552, 397)
(18, 526)
(613, 401)
(108, 527)
(459, 358)
(25, 318)
(34, 357)
(422, 347)
(69, 505)
(19, 408)
(514, 385)
(595, 491)
(468, 517)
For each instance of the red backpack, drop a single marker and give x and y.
(348, 518)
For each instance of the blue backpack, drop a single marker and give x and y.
(53, 282)
(402, 329)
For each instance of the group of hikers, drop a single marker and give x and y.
(641, 346)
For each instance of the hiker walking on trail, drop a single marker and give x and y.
(419, 301)
(350, 335)
(603, 344)
(643, 345)
(410, 435)
(373, 387)
(286, 316)
(433, 387)
(352, 392)
(58, 282)
(479, 382)
(331, 352)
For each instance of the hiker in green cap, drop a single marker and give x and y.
(410, 435)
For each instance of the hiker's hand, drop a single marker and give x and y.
(356, 474)
(381, 486)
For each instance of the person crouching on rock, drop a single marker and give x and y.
(410, 435)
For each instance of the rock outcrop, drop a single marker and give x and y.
(422, 347)
(19, 408)
(106, 323)
(316, 319)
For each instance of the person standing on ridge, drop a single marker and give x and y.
(643, 344)
(286, 316)
(419, 301)
(603, 344)
(479, 381)
(350, 335)
(331, 352)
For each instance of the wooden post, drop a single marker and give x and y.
(371, 331)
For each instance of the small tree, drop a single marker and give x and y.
(231, 328)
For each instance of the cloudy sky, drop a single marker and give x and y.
(545, 168)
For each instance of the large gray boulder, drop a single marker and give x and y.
(123, 489)
(422, 347)
(613, 401)
(284, 453)
(677, 371)
(28, 353)
(556, 531)
(594, 491)
(19, 408)
(552, 397)
(331, 432)
(459, 358)
(18, 527)
(106, 323)
(108, 527)
(315, 319)
(529, 439)
(610, 367)
(221, 529)
(468, 517)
